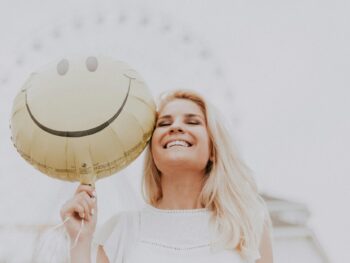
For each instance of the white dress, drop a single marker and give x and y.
(158, 236)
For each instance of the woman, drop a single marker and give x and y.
(202, 203)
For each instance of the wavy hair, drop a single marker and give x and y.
(230, 192)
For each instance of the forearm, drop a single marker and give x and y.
(81, 253)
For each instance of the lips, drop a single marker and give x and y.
(173, 143)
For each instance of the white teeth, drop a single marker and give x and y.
(180, 143)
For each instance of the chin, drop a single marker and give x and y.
(181, 161)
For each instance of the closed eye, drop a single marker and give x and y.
(194, 122)
(162, 124)
(167, 123)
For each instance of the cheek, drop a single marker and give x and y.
(154, 139)
(208, 148)
(206, 143)
(155, 146)
(152, 142)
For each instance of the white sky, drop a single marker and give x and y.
(285, 70)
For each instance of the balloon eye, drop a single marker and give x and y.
(91, 64)
(62, 67)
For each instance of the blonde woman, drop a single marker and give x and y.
(202, 202)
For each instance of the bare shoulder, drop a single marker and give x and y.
(101, 255)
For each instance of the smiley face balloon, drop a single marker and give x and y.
(82, 119)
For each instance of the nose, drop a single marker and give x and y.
(175, 128)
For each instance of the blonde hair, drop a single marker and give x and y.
(229, 191)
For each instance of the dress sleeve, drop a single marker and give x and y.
(111, 236)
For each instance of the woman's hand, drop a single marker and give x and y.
(83, 205)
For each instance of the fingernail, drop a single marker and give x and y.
(83, 215)
(92, 211)
(94, 193)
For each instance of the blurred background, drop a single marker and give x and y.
(278, 70)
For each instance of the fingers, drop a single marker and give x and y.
(86, 188)
(88, 203)
(83, 204)
(80, 210)
(87, 196)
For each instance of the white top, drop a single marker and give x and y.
(158, 236)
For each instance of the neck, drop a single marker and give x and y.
(181, 190)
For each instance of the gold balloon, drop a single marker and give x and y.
(82, 119)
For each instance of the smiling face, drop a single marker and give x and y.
(82, 118)
(81, 95)
(180, 139)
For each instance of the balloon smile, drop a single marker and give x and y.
(83, 132)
